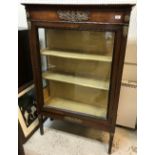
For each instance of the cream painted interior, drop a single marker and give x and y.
(76, 106)
(82, 94)
(76, 98)
(81, 41)
(74, 55)
(89, 69)
(78, 70)
(82, 81)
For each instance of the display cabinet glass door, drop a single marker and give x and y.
(76, 68)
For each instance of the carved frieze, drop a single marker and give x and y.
(73, 16)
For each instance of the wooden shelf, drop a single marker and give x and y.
(73, 55)
(70, 105)
(82, 81)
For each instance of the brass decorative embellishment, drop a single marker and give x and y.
(125, 31)
(73, 119)
(73, 16)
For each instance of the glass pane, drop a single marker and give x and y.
(76, 68)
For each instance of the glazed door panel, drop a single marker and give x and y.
(76, 71)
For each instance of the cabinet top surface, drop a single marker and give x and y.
(79, 2)
(96, 3)
(92, 13)
(85, 4)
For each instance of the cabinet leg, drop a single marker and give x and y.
(41, 124)
(110, 142)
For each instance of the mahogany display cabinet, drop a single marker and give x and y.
(80, 77)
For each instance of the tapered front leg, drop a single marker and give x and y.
(110, 142)
(41, 124)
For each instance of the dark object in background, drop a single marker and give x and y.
(25, 77)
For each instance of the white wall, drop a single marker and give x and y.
(21, 16)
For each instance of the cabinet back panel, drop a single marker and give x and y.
(93, 69)
(81, 41)
(80, 94)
